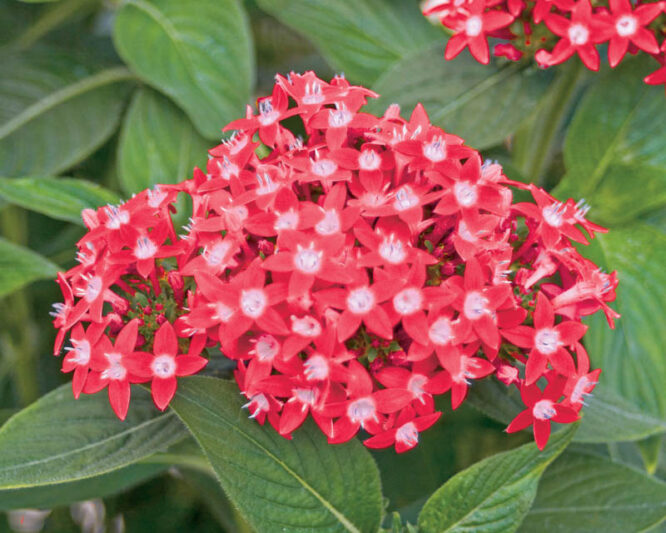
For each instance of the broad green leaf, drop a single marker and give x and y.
(56, 110)
(59, 439)
(277, 484)
(360, 37)
(614, 151)
(50, 496)
(493, 494)
(61, 198)
(158, 143)
(20, 266)
(632, 355)
(606, 416)
(483, 104)
(581, 493)
(199, 55)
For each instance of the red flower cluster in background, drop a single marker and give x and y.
(554, 30)
(361, 267)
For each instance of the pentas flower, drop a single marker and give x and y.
(351, 274)
(563, 28)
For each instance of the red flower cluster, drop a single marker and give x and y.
(554, 30)
(354, 272)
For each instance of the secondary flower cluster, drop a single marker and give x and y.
(554, 30)
(354, 272)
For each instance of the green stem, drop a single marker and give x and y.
(18, 339)
(534, 145)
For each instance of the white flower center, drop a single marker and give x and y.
(553, 215)
(306, 396)
(465, 234)
(475, 305)
(578, 34)
(316, 368)
(93, 288)
(405, 199)
(473, 26)
(407, 434)
(339, 118)
(253, 302)
(329, 224)
(221, 311)
(465, 193)
(580, 389)
(547, 341)
(308, 260)
(415, 385)
(266, 185)
(369, 160)
(543, 410)
(80, 353)
(435, 151)
(313, 94)
(260, 404)
(217, 253)
(360, 301)
(267, 115)
(626, 26)
(324, 168)
(287, 220)
(440, 332)
(116, 217)
(163, 366)
(306, 326)
(392, 250)
(361, 410)
(115, 371)
(266, 347)
(408, 301)
(145, 248)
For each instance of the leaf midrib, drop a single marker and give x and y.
(102, 442)
(349, 526)
(60, 96)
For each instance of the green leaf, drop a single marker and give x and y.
(632, 355)
(201, 56)
(50, 496)
(606, 416)
(614, 151)
(59, 439)
(20, 266)
(581, 493)
(56, 110)
(279, 484)
(61, 198)
(493, 494)
(360, 37)
(158, 143)
(483, 104)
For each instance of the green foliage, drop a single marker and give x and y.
(632, 356)
(20, 266)
(483, 104)
(279, 484)
(158, 144)
(494, 494)
(60, 198)
(56, 110)
(59, 439)
(614, 151)
(581, 492)
(201, 57)
(362, 38)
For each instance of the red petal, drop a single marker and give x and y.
(522, 336)
(119, 397)
(541, 431)
(187, 365)
(535, 367)
(523, 420)
(381, 440)
(162, 391)
(166, 342)
(544, 316)
(392, 400)
(293, 415)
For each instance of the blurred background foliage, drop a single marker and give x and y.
(100, 99)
